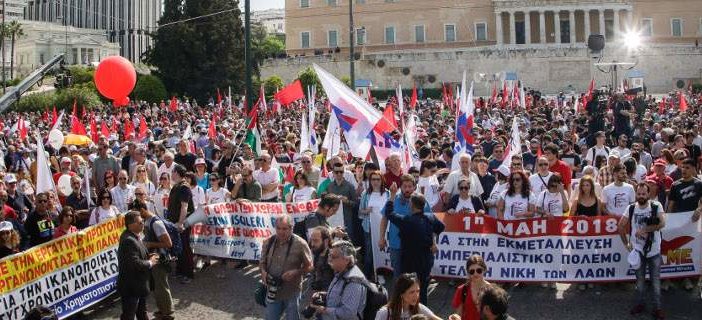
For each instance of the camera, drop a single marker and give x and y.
(274, 284)
(652, 221)
(318, 299)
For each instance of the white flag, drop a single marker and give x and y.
(86, 185)
(332, 139)
(45, 182)
(515, 144)
(304, 134)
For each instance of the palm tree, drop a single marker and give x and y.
(14, 29)
(3, 34)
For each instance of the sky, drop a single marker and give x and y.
(265, 4)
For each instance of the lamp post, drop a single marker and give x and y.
(352, 73)
(247, 53)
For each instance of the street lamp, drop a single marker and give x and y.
(247, 54)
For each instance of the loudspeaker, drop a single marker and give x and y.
(596, 42)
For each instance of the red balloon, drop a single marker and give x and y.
(121, 102)
(115, 77)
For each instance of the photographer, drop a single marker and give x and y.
(284, 259)
(322, 275)
(595, 122)
(346, 296)
(645, 218)
(623, 112)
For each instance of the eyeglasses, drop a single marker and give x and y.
(306, 161)
(139, 194)
(543, 164)
(122, 178)
(464, 188)
(42, 200)
(473, 271)
(141, 170)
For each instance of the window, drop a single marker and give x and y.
(390, 35)
(647, 27)
(419, 34)
(699, 31)
(305, 39)
(676, 27)
(481, 31)
(331, 3)
(332, 38)
(360, 1)
(450, 32)
(361, 36)
(304, 3)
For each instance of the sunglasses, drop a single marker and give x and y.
(338, 172)
(140, 194)
(141, 170)
(543, 164)
(42, 200)
(473, 271)
(464, 188)
(375, 179)
(122, 178)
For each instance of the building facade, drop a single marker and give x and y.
(272, 19)
(14, 9)
(316, 26)
(126, 22)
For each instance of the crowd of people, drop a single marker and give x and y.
(635, 158)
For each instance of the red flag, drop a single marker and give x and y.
(142, 128)
(290, 174)
(54, 116)
(128, 129)
(539, 152)
(413, 100)
(387, 123)
(75, 108)
(683, 102)
(82, 112)
(93, 130)
(325, 172)
(212, 130)
(114, 127)
(590, 88)
(505, 94)
(77, 127)
(290, 93)
(45, 116)
(661, 106)
(493, 97)
(173, 105)
(219, 98)
(103, 129)
(22, 128)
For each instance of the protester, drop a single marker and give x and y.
(269, 179)
(464, 202)
(539, 180)
(372, 202)
(135, 266)
(501, 173)
(246, 187)
(327, 207)
(346, 192)
(552, 202)
(404, 302)
(160, 198)
(517, 201)
(39, 224)
(586, 203)
(9, 239)
(302, 189)
(320, 242)
(66, 220)
(180, 206)
(466, 298)
(142, 180)
(79, 203)
(105, 210)
(619, 194)
(493, 304)
(346, 295)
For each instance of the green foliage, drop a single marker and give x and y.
(83, 94)
(696, 88)
(271, 47)
(149, 88)
(308, 77)
(346, 80)
(81, 74)
(272, 84)
(195, 57)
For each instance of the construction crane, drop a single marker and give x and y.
(13, 94)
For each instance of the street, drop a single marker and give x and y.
(208, 297)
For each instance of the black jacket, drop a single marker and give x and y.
(134, 266)
(416, 233)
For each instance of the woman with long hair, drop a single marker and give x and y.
(586, 203)
(66, 220)
(105, 209)
(162, 193)
(302, 190)
(202, 178)
(428, 183)
(517, 201)
(464, 202)
(109, 179)
(466, 298)
(141, 179)
(216, 194)
(9, 239)
(404, 301)
(553, 202)
(372, 202)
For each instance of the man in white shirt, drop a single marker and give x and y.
(621, 147)
(168, 164)
(539, 180)
(122, 193)
(618, 195)
(451, 186)
(269, 179)
(598, 150)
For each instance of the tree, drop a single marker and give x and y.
(14, 29)
(149, 88)
(263, 45)
(81, 74)
(272, 84)
(193, 57)
(308, 77)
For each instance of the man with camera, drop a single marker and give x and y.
(639, 229)
(346, 296)
(328, 206)
(284, 260)
(320, 242)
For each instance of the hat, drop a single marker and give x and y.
(651, 181)
(10, 178)
(199, 161)
(6, 226)
(65, 159)
(92, 157)
(614, 153)
(503, 170)
(660, 162)
(72, 148)
(634, 259)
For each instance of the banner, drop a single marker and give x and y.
(237, 229)
(68, 274)
(561, 249)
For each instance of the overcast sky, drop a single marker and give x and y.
(265, 4)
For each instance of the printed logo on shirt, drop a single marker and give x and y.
(621, 200)
(688, 192)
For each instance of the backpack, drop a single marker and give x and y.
(177, 249)
(654, 213)
(376, 296)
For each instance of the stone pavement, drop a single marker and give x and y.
(210, 298)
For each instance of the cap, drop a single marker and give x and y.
(535, 141)
(10, 178)
(503, 170)
(6, 226)
(660, 162)
(614, 153)
(72, 148)
(199, 161)
(651, 181)
(65, 159)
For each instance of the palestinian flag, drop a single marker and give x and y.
(253, 137)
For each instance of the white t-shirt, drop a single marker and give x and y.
(165, 169)
(303, 194)
(515, 204)
(199, 198)
(616, 199)
(382, 313)
(638, 221)
(539, 183)
(465, 204)
(147, 186)
(640, 174)
(431, 189)
(266, 178)
(161, 201)
(99, 214)
(551, 203)
(623, 152)
(495, 195)
(159, 228)
(593, 152)
(219, 196)
(451, 185)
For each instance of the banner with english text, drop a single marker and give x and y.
(68, 274)
(561, 249)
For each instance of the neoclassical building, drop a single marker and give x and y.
(390, 25)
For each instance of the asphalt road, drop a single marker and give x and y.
(211, 298)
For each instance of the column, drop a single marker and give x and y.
(498, 28)
(557, 24)
(527, 27)
(542, 27)
(615, 33)
(512, 29)
(571, 22)
(601, 13)
(630, 20)
(587, 30)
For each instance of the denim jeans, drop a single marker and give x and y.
(290, 307)
(654, 267)
(396, 262)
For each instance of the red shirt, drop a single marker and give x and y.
(564, 170)
(9, 213)
(469, 311)
(390, 178)
(59, 232)
(664, 181)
